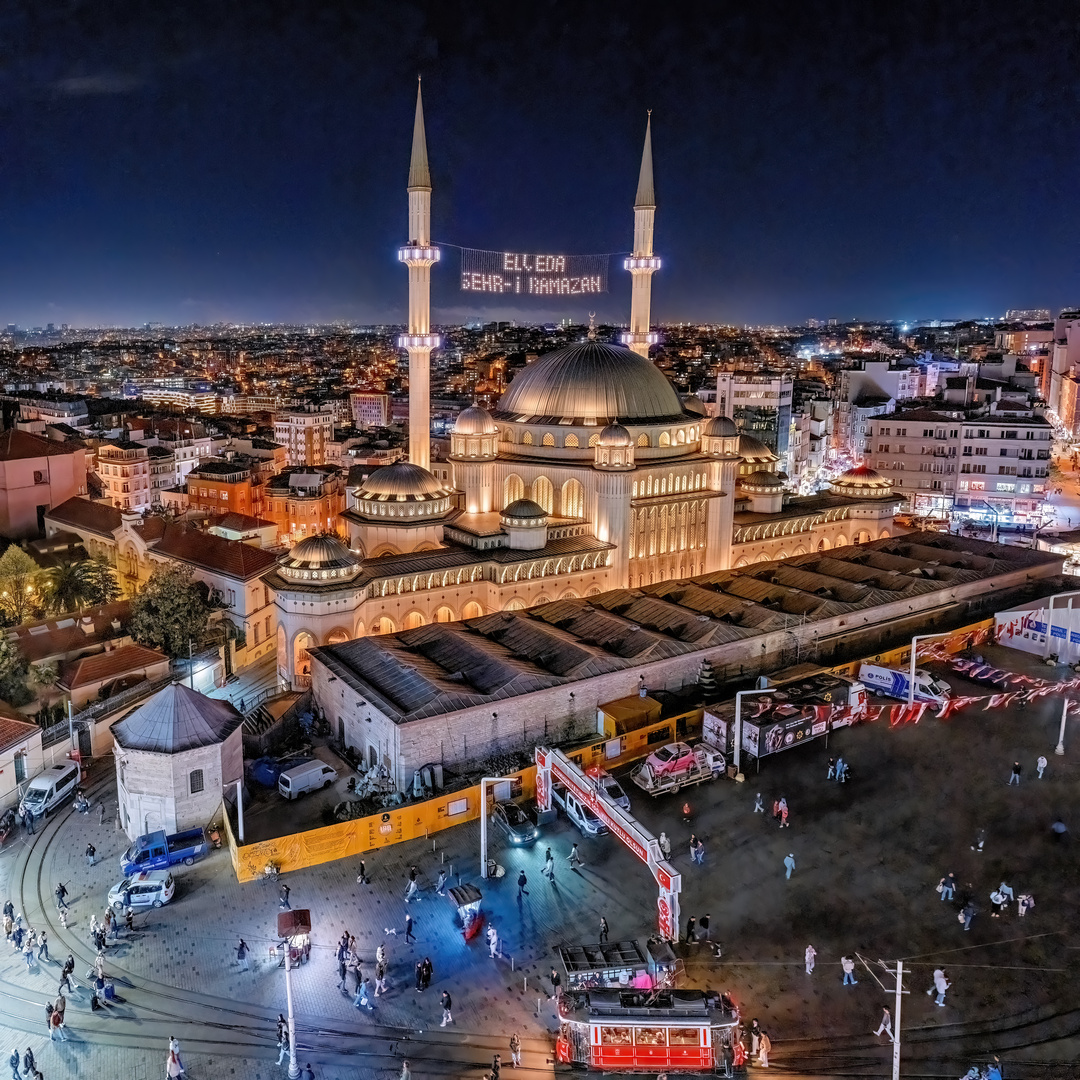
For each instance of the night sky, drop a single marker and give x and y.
(246, 161)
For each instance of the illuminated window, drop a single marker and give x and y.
(665, 439)
(571, 440)
(594, 438)
(548, 440)
(643, 439)
(527, 439)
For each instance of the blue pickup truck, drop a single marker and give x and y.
(156, 851)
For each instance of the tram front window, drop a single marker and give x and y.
(650, 1037)
(684, 1036)
(615, 1036)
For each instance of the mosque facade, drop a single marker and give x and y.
(591, 474)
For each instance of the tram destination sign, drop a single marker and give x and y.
(532, 274)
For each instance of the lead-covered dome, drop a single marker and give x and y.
(402, 490)
(754, 451)
(588, 384)
(862, 482)
(761, 481)
(319, 559)
(615, 435)
(721, 427)
(525, 511)
(475, 420)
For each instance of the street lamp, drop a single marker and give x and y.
(291, 924)
(1060, 748)
(484, 819)
(911, 675)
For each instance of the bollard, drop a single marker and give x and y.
(442, 857)
(432, 845)
(537, 1006)
(511, 963)
(525, 985)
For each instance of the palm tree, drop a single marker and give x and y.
(69, 586)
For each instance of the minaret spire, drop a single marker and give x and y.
(419, 256)
(643, 264)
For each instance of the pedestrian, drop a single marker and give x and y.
(849, 971)
(839, 769)
(980, 840)
(419, 973)
(14, 1061)
(101, 813)
(172, 1066)
(703, 925)
(522, 882)
(755, 1037)
(556, 985)
(405, 1073)
(343, 973)
(308, 1073)
(1015, 777)
(665, 846)
(380, 977)
(440, 885)
(843, 771)
(90, 852)
(283, 1043)
(947, 886)
(63, 917)
(445, 1001)
(380, 954)
(29, 1064)
(59, 1008)
(242, 951)
(832, 769)
(283, 897)
(811, 956)
(699, 852)
(413, 873)
(411, 890)
(281, 1026)
(408, 930)
(941, 984)
(99, 965)
(776, 809)
(515, 1050)
(362, 878)
(967, 914)
(687, 814)
(1040, 766)
(48, 1020)
(28, 952)
(693, 846)
(362, 1000)
(493, 941)
(61, 896)
(574, 859)
(1024, 903)
(174, 1048)
(789, 862)
(66, 973)
(28, 822)
(764, 1046)
(886, 1023)
(691, 923)
(9, 910)
(549, 866)
(997, 902)
(603, 930)
(784, 814)
(496, 1066)
(426, 971)
(759, 806)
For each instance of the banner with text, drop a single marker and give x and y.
(527, 274)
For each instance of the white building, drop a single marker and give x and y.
(124, 468)
(304, 434)
(370, 409)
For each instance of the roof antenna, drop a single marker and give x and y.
(592, 327)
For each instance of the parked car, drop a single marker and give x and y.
(301, 779)
(672, 759)
(515, 823)
(150, 889)
(50, 788)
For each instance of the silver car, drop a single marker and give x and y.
(515, 823)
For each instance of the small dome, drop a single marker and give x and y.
(475, 420)
(615, 435)
(762, 480)
(319, 559)
(694, 405)
(754, 450)
(861, 482)
(525, 510)
(721, 427)
(402, 481)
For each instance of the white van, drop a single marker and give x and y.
(301, 779)
(50, 788)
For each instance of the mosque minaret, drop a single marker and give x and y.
(642, 264)
(419, 255)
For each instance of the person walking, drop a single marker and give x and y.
(15, 1061)
(886, 1024)
(603, 930)
(1040, 766)
(59, 1009)
(703, 926)
(947, 886)
(362, 878)
(66, 973)
(411, 889)
(174, 1048)
(1024, 903)
(28, 951)
(522, 882)
(446, 1003)
(764, 1046)
(699, 852)
(549, 866)
(759, 806)
(283, 1043)
(997, 902)
(690, 924)
(967, 914)
(783, 812)
(789, 862)
(941, 984)
(409, 939)
(242, 951)
(849, 971)
(1014, 778)
(832, 769)
(515, 1050)
(362, 1000)
(90, 852)
(28, 822)
(574, 859)
(556, 985)
(496, 1066)
(48, 1020)
(283, 897)
(343, 972)
(406, 1074)
(61, 896)
(172, 1066)
(308, 1073)
(29, 1064)
(980, 840)
(493, 941)
(665, 846)
(839, 769)
(440, 885)
(811, 956)
(426, 971)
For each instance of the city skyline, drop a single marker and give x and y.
(224, 168)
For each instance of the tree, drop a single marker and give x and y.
(170, 612)
(13, 668)
(20, 580)
(104, 588)
(67, 587)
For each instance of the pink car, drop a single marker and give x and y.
(671, 760)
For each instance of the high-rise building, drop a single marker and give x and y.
(760, 404)
(370, 409)
(304, 434)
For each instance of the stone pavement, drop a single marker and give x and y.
(868, 854)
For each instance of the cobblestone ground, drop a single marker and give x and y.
(868, 854)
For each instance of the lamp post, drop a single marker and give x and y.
(737, 757)
(289, 924)
(484, 819)
(1050, 620)
(914, 654)
(1060, 748)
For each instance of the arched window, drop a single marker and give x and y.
(665, 439)
(573, 499)
(643, 439)
(544, 494)
(527, 439)
(548, 440)
(384, 625)
(472, 610)
(413, 620)
(681, 436)
(516, 604)
(506, 434)
(301, 661)
(513, 489)
(570, 440)
(444, 614)
(594, 438)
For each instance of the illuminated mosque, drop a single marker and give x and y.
(591, 474)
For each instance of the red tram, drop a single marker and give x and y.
(650, 1031)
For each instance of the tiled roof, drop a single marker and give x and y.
(13, 732)
(233, 558)
(16, 445)
(80, 513)
(238, 522)
(177, 719)
(109, 665)
(69, 634)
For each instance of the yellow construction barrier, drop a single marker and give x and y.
(353, 838)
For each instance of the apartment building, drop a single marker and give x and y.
(124, 468)
(370, 409)
(760, 404)
(984, 464)
(304, 434)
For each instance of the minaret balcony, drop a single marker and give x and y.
(630, 338)
(418, 255)
(650, 263)
(419, 341)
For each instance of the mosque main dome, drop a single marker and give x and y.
(591, 383)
